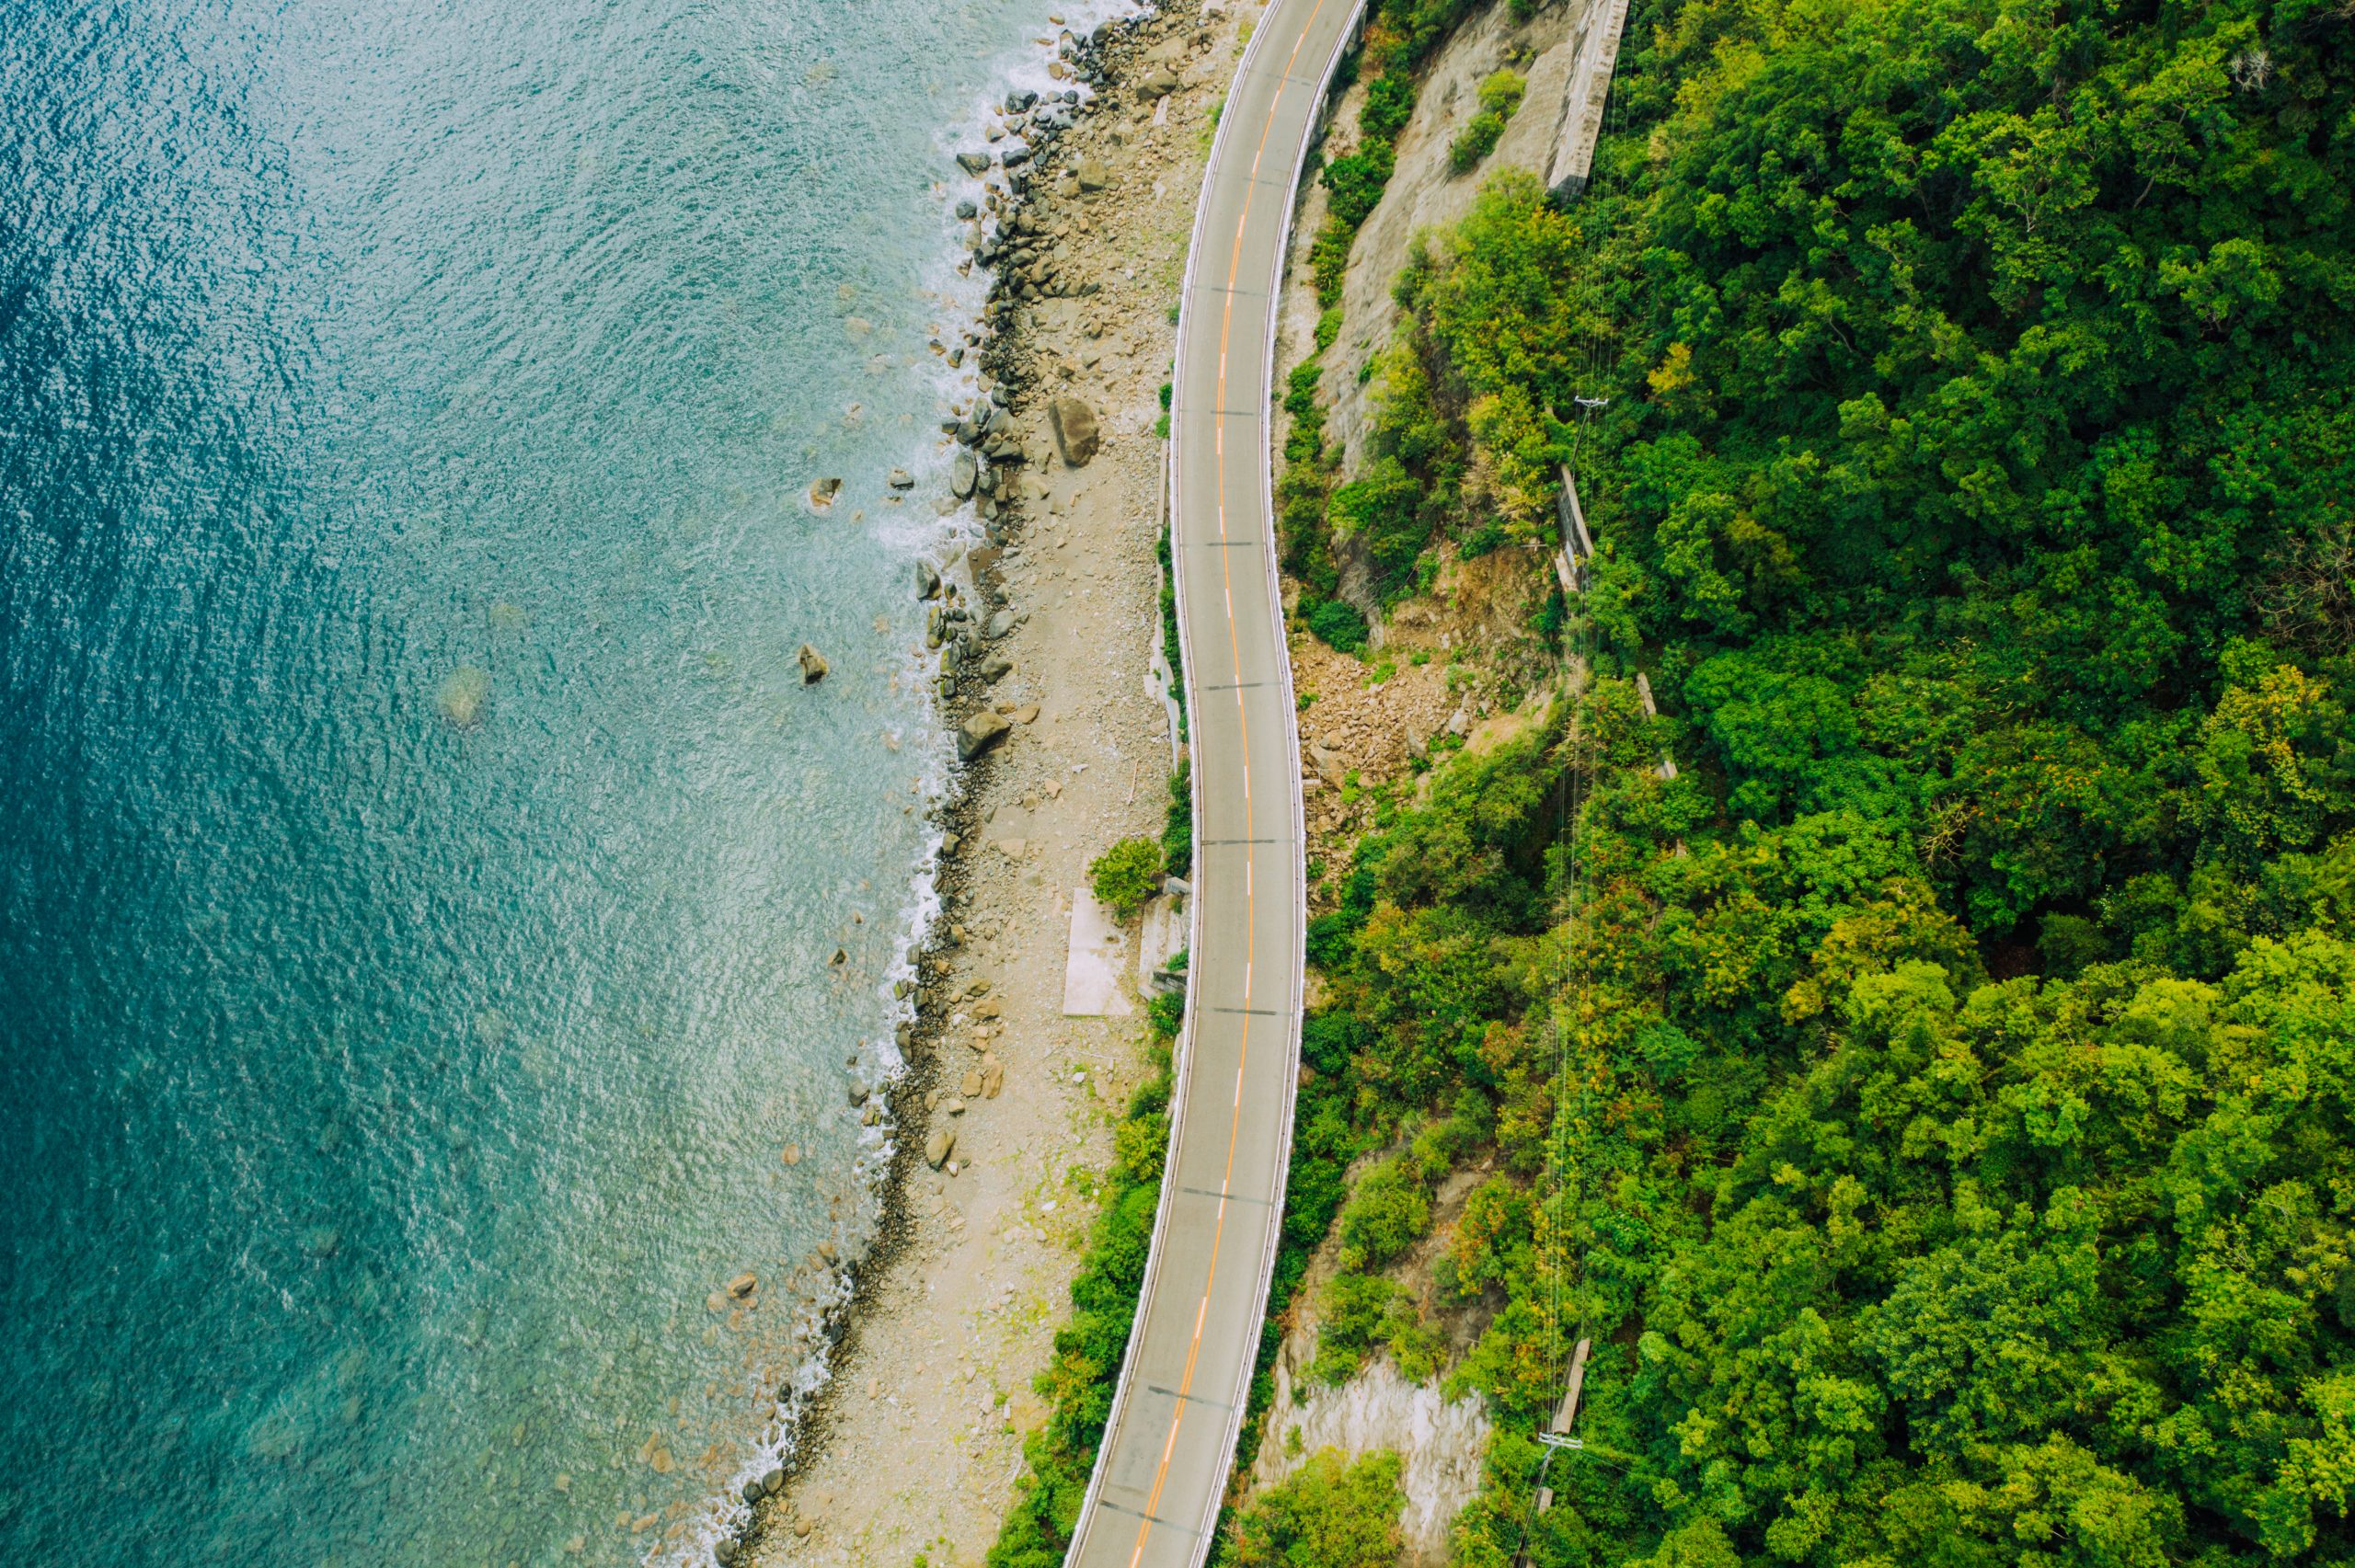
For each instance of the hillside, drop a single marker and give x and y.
(1933, 1098)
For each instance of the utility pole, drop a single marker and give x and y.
(1557, 1437)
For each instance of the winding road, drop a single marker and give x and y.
(1154, 1498)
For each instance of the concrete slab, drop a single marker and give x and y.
(1165, 937)
(1092, 969)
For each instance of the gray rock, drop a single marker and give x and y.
(1158, 83)
(1019, 100)
(939, 1146)
(1092, 174)
(973, 163)
(927, 581)
(966, 209)
(813, 664)
(979, 733)
(900, 479)
(963, 475)
(774, 1481)
(752, 1492)
(996, 668)
(1000, 625)
(1014, 157)
(723, 1552)
(1076, 434)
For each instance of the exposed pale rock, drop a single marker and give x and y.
(1077, 436)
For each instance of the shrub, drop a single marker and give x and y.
(1333, 622)
(1330, 1514)
(1501, 94)
(1177, 824)
(1476, 141)
(1386, 1215)
(1389, 101)
(1356, 182)
(1127, 874)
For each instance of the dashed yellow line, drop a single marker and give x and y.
(1251, 903)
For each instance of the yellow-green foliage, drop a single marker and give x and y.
(1332, 1513)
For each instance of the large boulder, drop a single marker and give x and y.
(964, 474)
(973, 163)
(1076, 435)
(1158, 83)
(981, 732)
(1091, 173)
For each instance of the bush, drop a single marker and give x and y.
(1389, 101)
(1126, 875)
(1332, 1514)
(1476, 141)
(1333, 622)
(1386, 1216)
(1501, 94)
(1356, 182)
(1178, 825)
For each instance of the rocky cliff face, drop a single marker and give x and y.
(1424, 192)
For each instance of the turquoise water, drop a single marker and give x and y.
(421, 865)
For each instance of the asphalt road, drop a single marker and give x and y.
(1155, 1495)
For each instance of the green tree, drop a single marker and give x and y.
(1126, 875)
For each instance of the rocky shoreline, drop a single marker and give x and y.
(1056, 317)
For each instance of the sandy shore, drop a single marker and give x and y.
(917, 1445)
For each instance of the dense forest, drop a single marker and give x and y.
(1931, 1096)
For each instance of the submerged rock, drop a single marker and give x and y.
(823, 491)
(464, 695)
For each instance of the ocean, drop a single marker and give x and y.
(437, 927)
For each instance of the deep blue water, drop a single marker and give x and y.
(419, 860)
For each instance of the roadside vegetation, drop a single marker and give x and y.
(1077, 1383)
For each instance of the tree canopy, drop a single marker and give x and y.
(1934, 1100)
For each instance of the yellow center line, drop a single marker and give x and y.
(1251, 900)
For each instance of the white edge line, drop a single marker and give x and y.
(1184, 1051)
